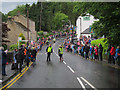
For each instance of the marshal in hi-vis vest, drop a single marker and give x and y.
(61, 50)
(49, 49)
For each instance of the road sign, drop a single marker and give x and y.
(86, 18)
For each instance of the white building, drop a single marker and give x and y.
(85, 23)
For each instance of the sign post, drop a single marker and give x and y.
(86, 18)
(19, 39)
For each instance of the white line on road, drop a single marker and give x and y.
(81, 83)
(64, 62)
(71, 69)
(0, 81)
(55, 53)
(88, 83)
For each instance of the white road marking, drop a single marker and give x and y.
(71, 69)
(56, 54)
(88, 83)
(0, 80)
(81, 83)
(64, 62)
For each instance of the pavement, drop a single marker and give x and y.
(9, 73)
(73, 72)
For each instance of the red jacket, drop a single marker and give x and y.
(96, 50)
(112, 51)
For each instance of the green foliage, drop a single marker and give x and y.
(40, 33)
(4, 18)
(108, 14)
(5, 46)
(19, 9)
(12, 47)
(58, 19)
(103, 41)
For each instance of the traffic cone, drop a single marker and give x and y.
(7, 63)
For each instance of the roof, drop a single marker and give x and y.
(22, 26)
(86, 31)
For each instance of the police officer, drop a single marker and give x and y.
(49, 50)
(60, 52)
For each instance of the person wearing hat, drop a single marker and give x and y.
(49, 50)
(60, 52)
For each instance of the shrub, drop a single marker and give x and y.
(103, 41)
(5, 46)
(40, 33)
(12, 47)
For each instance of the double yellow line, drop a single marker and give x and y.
(9, 84)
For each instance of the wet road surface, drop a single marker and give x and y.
(74, 72)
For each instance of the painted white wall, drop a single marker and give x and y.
(84, 24)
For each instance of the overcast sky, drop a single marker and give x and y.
(9, 6)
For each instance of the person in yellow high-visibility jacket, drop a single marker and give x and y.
(54, 40)
(49, 50)
(60, 52)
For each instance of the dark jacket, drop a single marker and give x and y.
(86, 48)
(109, 48)
(4, 57)
(100, 49)
(28, 53)
(33, 52)
(20, 55)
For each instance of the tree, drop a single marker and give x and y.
(59, 17)
(108, 14)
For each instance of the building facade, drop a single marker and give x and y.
(84, 23)
(17, 25)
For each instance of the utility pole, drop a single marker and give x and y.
(27, 24)
(40, 16)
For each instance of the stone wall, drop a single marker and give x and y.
(23, 20)
(14, 32)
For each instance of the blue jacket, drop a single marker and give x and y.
(117, 51)
(90, 50)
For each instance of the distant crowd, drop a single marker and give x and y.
(83, 48)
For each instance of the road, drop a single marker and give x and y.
(74, 72)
